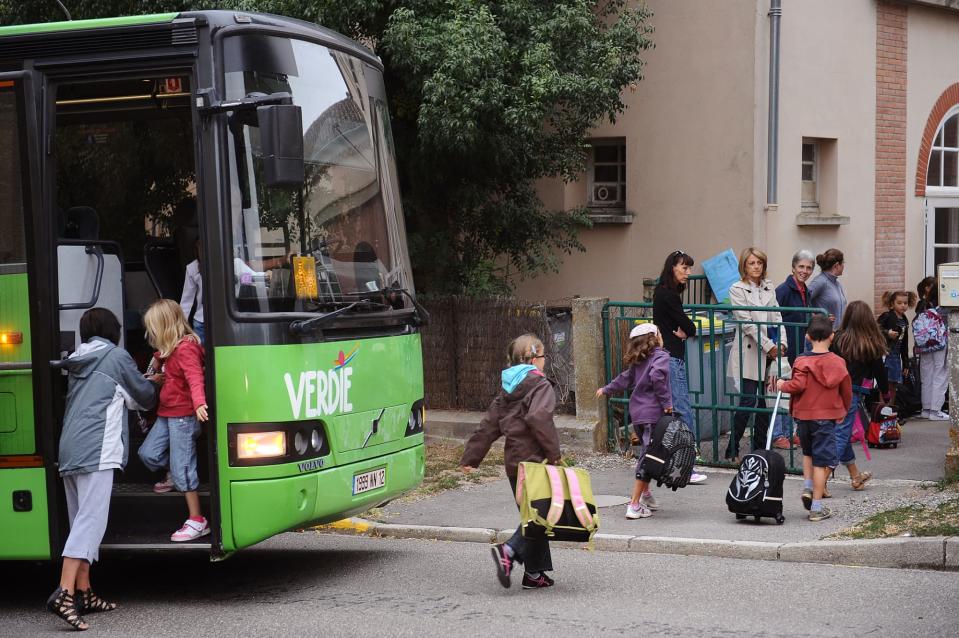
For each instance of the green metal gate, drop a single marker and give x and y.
(714, 396)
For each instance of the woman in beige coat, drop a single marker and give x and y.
(756, 345)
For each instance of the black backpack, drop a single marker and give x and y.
(671, 454)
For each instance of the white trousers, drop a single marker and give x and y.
(88, 507)
(935, 379)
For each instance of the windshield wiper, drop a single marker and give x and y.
(303, 327)
(420, 318)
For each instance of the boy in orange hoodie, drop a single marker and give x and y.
(821, 393)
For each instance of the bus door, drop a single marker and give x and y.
(27, 451)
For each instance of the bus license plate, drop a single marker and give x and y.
(369, 481)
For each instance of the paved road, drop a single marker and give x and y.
(310, 584)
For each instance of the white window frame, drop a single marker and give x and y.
(591, 182)
(942, 190)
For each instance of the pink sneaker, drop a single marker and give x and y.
(191, 530)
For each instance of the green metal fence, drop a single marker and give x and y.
(714, 395)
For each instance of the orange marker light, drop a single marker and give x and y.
(10, 338)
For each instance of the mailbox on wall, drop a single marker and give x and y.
(949, 285)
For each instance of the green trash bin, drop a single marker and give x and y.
(706, 355)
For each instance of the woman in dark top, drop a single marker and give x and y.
(862, 345)
(676, 327)
(793, 293)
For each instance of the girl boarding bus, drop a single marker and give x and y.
(256, 150)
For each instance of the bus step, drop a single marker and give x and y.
(157, 547)
(140, 489)
(151, 540)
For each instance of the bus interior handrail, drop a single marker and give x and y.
(80, 305)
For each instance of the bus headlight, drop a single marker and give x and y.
(253, 444)
(260, 445)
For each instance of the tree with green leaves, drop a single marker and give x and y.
(487, 97)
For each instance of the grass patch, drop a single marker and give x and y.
(914, 520)
(443, 469)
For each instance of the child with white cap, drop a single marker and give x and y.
(647, 377)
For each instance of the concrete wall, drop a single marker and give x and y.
(933, 67)
(827, 90)
(689, 135)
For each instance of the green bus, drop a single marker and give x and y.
(261, 147)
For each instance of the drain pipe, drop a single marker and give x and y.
(772, 148)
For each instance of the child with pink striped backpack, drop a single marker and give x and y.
(522, 412)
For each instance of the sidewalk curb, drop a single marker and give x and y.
(938, 552)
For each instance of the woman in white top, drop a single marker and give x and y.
(756, 345)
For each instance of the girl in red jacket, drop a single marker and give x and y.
(182, 404)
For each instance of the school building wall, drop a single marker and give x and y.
(860, 75)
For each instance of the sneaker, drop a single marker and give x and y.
(924, 414)
(696, 477)
(190, 531)
(821, 515)
(937, 415)
(649, 500)
(504, 564)
(539, 582)
(781, 443)
(637, 511)
(164, 486)
(807, 498)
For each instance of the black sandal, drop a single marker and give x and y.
(62, 604)
(89, 603)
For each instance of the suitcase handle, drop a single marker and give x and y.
(772, 423)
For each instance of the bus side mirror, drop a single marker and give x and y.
(281, 142)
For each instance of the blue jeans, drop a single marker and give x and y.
(844, 430)
(198, 329)
(783, 426)
(679, 388)
(172, 442)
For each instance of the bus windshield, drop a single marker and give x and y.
(341, 236)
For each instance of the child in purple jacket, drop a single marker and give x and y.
(647, 378)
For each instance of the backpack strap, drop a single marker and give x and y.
(556, 500)
(576, 497)
(520, 481)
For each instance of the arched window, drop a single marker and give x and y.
(943, 170)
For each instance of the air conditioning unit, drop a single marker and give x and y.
(606, 194)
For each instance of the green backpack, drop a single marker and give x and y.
(556, 502)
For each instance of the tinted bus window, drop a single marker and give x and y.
(12, 244)
(305, 250)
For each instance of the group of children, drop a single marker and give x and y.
(827, 384)
(104, 381)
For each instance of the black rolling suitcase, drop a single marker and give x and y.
(757, 489)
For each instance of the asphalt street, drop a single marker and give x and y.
(310, 584)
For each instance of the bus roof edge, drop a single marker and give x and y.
(77, 25)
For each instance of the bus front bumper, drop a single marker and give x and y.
(263, 508)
